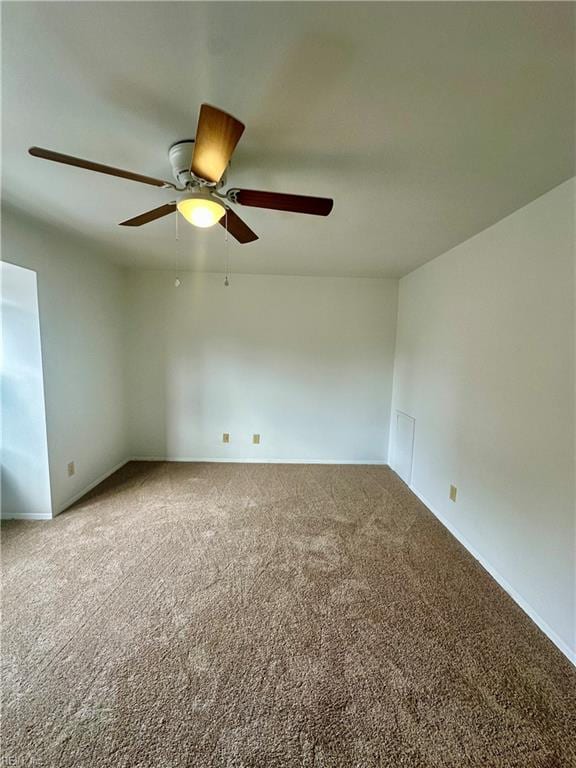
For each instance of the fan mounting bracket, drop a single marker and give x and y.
(232, 195)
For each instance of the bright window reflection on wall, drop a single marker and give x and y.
(24, 452)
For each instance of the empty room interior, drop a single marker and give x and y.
(288, 385)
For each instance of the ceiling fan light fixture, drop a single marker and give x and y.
(199, 166)
(201, 209)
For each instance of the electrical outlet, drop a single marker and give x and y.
(453, 492)
(256, 439)
(71, 469)
(226, 437)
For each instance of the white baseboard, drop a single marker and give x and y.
(27, 516)
(506, 586)
(211, 460)
(89, 487)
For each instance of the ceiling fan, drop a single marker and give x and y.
(199, 166)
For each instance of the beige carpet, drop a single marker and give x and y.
(268, 615)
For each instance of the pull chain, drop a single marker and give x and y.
(227, 247)
(177, 281)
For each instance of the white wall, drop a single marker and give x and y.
(24, 450)
(305, 362)
(485, 364)
(81, 304)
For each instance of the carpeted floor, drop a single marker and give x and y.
(268, 616)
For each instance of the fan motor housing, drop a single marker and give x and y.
(180, 157)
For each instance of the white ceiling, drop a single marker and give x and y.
(426, 122)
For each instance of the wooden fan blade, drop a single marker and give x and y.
(216, 137)
(144, 218)
(317, 206)
(237, 228)
(57, 157)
